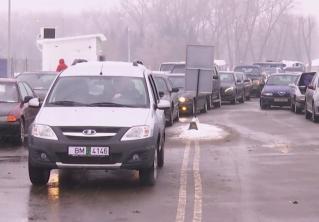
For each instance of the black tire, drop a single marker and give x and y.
(307, 113)
(148, 176)
(314, 117)
(262, 105)
(20, 138)
(170, 122)
(161, 155)
(38, 176)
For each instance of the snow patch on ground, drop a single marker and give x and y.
(204, 132)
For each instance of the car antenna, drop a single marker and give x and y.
(101, 73)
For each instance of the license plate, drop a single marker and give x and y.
(88, 151)
(281, 100)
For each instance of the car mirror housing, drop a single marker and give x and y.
(215, 77)
(175, 90)
(34, 103)
(163, 104)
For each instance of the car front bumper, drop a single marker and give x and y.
(275, 101)
(8, 129)
(120, 154)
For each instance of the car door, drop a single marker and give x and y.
(31, 112)
(216, 84)
(310, 92)
(24, 106)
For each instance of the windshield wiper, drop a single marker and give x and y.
(67, 103)
(109, 104)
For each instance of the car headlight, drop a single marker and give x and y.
(230, 89)
(268, 94)
(137, 133)
(43, 132)
(182, 99)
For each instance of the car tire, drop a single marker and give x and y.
(161, 155)
(307, 113)
(314, 117)
(38, 176)
(262, 105)
(148, 176)
(20, 138)
(170, 122)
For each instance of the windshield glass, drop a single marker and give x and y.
(177, 81)
(281, 80)
(9, 93)
(37, 81)
(249, 71)
(227, 77)
(108, 91)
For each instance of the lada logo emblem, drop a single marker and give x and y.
(282, 93)
(89, 132)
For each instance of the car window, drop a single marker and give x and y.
(161, 85)
(154, 89)
(281, 79)
(113, 91)
(305, 79)
(37, 81)
(9, 93)
(314, 80)
(28, 89)
(22, 90)
(227, 77)
(177, 81)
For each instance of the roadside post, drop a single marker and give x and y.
(199, 77)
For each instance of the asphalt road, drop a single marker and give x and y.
(266, 170)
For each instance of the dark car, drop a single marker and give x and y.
(167, 92)
(253, 72)
(15, 115)
(312, 100)
(233, 88)
(298, 90)
(213, 100)
(40, 82)
(277, 90)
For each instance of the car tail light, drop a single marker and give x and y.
(11, 118)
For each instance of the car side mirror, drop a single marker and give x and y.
(161, 94)
(216, 77)
(175, 90)
(35, 103)
(163, 104)
(27, 99)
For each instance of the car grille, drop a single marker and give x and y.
(281, 94)
(101, 133)
(112, 159)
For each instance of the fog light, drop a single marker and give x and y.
(43, 156)
(136, 157)
(184, 108)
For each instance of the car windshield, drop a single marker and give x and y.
(249, 71)
(179, 68)
(281, 80)
(37, 81)
(227, 77)
(9, 93)
(161, 85)
(101, 91)
(177, 81)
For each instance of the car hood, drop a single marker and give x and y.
(92, 116)
(7, 108)
(269, 88)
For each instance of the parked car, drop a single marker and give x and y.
(99, 115)
(298, 90)
(277, 90)
(186, 100)
(15, 115)
(256, 75)
(40, 82)
(232, 89)
(312, 100)
(248, 86)
(169, 93)
(213, 100)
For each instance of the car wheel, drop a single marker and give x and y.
(170, 122)
(307, 113)
(20, 138)
(148, 176)
(160, 154)
(38, 176)
(314, 118)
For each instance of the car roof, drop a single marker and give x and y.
(8, 80)
(174, 63)
(128, 69)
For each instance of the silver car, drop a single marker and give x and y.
(99, 115)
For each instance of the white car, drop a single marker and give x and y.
(99, 115)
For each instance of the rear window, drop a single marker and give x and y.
(9, 93)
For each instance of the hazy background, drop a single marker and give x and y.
(243, 31)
